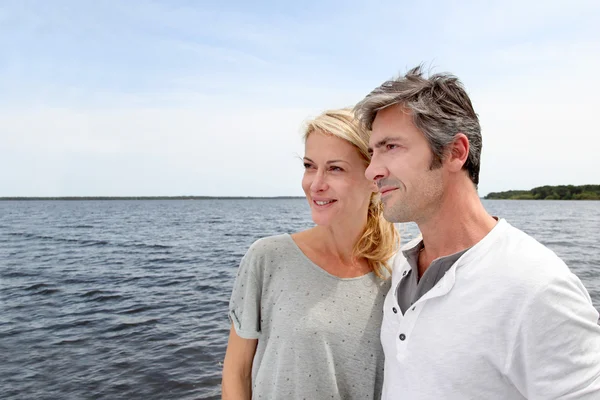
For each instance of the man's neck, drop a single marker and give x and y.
(457, 224)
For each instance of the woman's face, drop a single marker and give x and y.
(334, 179)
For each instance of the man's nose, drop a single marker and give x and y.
(376, 170)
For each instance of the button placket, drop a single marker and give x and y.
(395, 305)
(403, 326)
(406, 327)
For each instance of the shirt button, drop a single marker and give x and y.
(402, 336)
(394, 310)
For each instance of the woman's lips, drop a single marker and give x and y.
(323, 203)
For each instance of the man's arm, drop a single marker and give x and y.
(556, 349)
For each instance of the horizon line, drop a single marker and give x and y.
(18, 198)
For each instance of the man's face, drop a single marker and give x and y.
(401, 165)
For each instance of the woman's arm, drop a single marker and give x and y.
(237, 367)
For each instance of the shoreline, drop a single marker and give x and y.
(92, 198)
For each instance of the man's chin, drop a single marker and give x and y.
(391, 217)
(394, 216)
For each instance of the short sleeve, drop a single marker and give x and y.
(244, 305)
(556, 353)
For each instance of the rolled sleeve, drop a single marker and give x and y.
(245, 302)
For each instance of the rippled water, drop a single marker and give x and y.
(128, 299)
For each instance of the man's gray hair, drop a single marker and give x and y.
(440, 109)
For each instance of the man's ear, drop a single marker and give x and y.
(458, 152)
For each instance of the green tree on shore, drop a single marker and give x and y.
(561, 192)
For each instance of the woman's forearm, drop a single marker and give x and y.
(237, 368)
(236, 386)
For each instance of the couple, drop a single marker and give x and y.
(475, 308)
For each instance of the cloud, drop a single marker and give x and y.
(215, 152)
(539, 130)
(145, 98)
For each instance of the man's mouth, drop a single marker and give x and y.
(385, 190)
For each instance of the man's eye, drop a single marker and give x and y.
(390, 146)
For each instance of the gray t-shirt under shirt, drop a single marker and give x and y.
(411, 288)
(318, 335)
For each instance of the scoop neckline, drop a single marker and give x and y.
(315, 266)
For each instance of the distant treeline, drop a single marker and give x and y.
(147, 198)
(568, 192)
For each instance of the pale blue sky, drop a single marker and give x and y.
(208, 97)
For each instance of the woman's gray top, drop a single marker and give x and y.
(318, 335)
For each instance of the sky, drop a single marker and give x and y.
(208, 98)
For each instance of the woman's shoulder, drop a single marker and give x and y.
(267, 253)
(270, 244)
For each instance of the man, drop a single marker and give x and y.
(477, 309)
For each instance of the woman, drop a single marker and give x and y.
(306, 308)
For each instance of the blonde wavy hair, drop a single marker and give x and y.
(379, 239)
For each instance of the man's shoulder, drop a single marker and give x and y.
(520, 259)
(514, 245)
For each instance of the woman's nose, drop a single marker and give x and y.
(319, 184)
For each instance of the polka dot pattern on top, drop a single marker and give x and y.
(318, 334)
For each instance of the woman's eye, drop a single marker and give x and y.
(336, 169)
(307, 165)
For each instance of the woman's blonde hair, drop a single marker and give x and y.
(379, 239)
